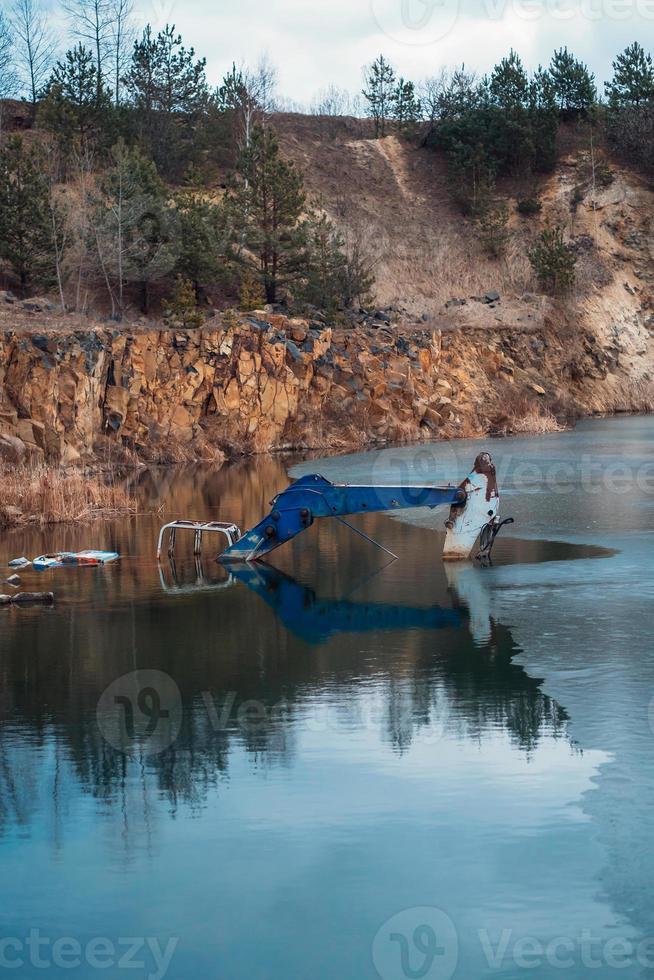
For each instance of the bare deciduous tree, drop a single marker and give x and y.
(8, 80)
(284, 103)
(59, 223)
(263, 84)
(332, 101)
(122, 35)
(7, 68)
(250, 95)
(80, 224)
(91, 21)
(431, 94)
(35, 47)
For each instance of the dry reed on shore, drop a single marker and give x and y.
(43, 494)
(536, 421)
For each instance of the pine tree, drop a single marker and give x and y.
(633, 78)
(267, 202)
(493, 229)
(326, 268)
(359, 275)
(406, 106)
(508, 137)
(543, 122)
(506, 125)
(338, 273)
(461, 93)
(75, 106)
(168, 88)
(380, 93)
(90, 22)
(134, 230)
(553, 260)
(509, 84)
(237, 97)
(27, 240)
(574, 84)
(202, 241)
(180, 310)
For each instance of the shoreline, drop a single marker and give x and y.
(84, 493)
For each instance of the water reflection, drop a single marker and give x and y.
(340, 725)
(252, 677)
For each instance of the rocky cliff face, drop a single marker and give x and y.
(265, 382)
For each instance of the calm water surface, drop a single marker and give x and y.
(342, 768)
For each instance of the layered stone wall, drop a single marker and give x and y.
(265, 382)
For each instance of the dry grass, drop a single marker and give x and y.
(524, 414)
(537, 421)
(44, 494)
(396, 201)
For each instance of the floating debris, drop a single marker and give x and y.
(19, 563)
(80, 558)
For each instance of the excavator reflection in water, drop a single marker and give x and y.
(315, 619)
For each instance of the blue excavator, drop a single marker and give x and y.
(474, 514)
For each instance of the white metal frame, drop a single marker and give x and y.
(230, 531)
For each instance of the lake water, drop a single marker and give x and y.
(342, 768)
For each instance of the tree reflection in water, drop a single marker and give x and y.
(409, 653)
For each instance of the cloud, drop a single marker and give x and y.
(328, 41)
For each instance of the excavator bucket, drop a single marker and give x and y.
(482, 507)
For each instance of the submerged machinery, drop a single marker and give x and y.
(474, 514)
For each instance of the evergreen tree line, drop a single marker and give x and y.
(129, 117)
(91, 208)
(506, 123)
(123, 233)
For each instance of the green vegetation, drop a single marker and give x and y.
(390, 100)
(553, 261)
(630, 118)
(529, 206)
(573, 84)
(493, 229)
(167, 89)
(147, 176)
(633, 78)
(29, 220)
(267, 202)
(504, 125)
(181, 309)
(76, 104)
(133, 228)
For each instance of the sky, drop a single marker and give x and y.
(315, 43)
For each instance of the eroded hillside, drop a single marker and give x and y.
(429, 261)
(457, 344)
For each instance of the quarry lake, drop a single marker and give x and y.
(348, 768)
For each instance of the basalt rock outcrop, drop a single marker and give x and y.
(264, 382)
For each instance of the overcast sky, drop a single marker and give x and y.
(317, 42)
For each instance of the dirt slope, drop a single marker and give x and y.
(395, 198)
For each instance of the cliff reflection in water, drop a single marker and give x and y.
(259, 658)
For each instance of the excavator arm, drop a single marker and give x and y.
(473, 504)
